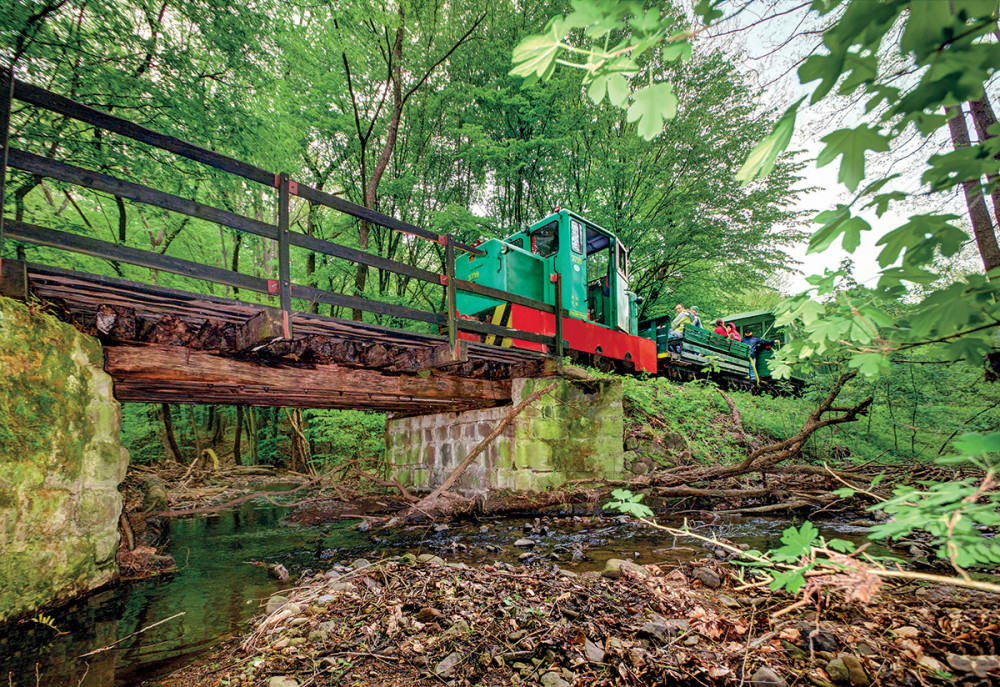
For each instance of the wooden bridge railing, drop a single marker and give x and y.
(12, 89)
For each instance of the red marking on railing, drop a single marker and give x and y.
(444, 279)
(273, 287)
(293, 188)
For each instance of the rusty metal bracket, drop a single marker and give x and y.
(273, 287)
(444, 279)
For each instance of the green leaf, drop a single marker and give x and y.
(837, 222)
(762, 158)
(851, 144)
(869, 364)
(978, 445)
(680, 50)
(919, 238)
(614, 85)
(844, 493)
(651, 107)
(536, 55)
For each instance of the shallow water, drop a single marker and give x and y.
(217, 588)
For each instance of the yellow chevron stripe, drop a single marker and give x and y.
(498, 316)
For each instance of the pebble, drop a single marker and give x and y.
(441, 527)
(707, 577)
(907, 631)
(855, 671)
(765, 677)
(428, 615)
(430, 558)
(275, 603)
(280, 644)
(447, 666)
(838, 672)
(298, 622)
(821, 641)
(553, 679)
(327, 626)
(282, 681)
(484, 529)
(524, 542)
(331, 575)
(364, 526)
(657, 630)
(616, 567)
(341, 587)
(459, 627)
(325, 598)
(594, 653)
(979, 665)
(318, 636)
(360, 563)
(728, 601)
(526, 556)
(295, 641)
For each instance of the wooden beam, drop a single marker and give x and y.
(203, 377)
(436, 357)
(265, 326)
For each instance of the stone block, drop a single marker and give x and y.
(61, 462)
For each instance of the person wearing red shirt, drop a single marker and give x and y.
(720, 329)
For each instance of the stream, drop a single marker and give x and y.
(217, 589)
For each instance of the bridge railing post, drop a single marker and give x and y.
(450, 299)
(6, 96)
(284, 264)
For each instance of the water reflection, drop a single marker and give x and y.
(211, 588)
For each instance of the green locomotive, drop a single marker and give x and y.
(601, 326)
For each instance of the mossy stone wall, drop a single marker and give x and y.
(570, 433)
(61, 462)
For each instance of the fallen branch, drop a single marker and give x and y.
(115, 643)
(237, 501)
(436, 503)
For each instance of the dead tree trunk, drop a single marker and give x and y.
(979, 214)
(237, 458)
(168, 430)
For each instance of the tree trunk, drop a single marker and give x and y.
(984, 117)
(982, 223)
(168, 429)
(237, 458)
(194, 432)
(371, 188)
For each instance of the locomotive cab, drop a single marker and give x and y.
(593, 265)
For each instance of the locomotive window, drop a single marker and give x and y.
(518, 242)
(545, 241)
(622, 260)
(576, 236)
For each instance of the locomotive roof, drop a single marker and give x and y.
(598, 238)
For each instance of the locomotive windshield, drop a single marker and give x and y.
(545, 240)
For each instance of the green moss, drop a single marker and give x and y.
(60, 461)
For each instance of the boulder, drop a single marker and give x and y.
(765, 677)
(616, 567)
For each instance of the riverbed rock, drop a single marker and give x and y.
(838, 672)
(728, 601)
(360, 564)
(428, 615)
(282, 681)
(855, 671)
(459, 627)
(812, 640)
(61, 461)
(765, 677)
(447, 666)
(276, 602)
(318, 636)
(593, 652)
(430, 558)
(616, 567)
(553, 679)
(978, 665)
(708, 577)
(525, 543)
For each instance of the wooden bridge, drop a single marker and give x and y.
(168, 345)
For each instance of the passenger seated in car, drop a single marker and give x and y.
(732, 332)
(720, 329)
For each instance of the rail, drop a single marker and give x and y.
(283, 288)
